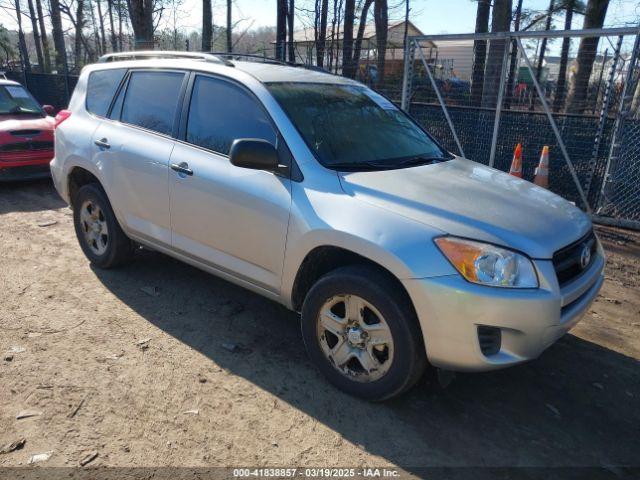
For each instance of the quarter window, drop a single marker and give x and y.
(221, 112)
(101, 87)
(152, 100)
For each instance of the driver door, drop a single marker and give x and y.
(233, 219)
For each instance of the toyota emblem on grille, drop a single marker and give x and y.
(585, 256)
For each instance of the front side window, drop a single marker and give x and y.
(101, 87)
(221, 112)
(151, 100)
(351, 127)
(15, 100)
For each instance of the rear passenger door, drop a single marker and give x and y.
(133, 147)
(234, 219)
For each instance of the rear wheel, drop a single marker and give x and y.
(99, 234)
(361, 331)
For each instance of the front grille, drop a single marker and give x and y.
(25, 133)
(25, 147)
(568, 261)
(490, 339)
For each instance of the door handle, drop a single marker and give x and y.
(102, 143)
(182, 167)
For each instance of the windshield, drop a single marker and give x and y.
(15, 99)
(351, 127)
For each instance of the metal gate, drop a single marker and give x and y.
(481, 94)
(619, 202)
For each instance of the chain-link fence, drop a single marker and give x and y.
(48, 88)
(575, 91)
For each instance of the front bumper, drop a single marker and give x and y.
(450, 310)
(25, 165)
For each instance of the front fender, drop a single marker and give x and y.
(323, 218)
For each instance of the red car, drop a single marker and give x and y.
(26, 134)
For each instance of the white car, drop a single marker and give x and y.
(318, 193)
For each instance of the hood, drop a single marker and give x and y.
(467, 199)
(10, 123)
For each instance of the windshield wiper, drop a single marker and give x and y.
(419, 160)
(388, 165)
(356, 166)
(19, 109)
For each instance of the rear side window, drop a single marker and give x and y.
(221, 112)
(151, 100)
(101, 87)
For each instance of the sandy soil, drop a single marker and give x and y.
(145, 378)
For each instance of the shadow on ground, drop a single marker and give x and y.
(577, 405)
(29, 196)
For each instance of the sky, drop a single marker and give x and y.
(430, 16)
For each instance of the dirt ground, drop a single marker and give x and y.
(133, 364)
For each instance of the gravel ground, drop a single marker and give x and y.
(134, 365)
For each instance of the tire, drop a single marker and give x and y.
(108, 247)
(398, 364)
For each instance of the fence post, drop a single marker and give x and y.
(496, 122)
(554, 127)
(407, 77)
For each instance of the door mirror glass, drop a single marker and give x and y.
(254, 153)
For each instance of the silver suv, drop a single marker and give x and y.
(318, 193)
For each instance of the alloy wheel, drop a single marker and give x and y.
(355, 338)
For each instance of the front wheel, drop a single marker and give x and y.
(361, 331)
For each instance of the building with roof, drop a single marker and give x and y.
(305, 47)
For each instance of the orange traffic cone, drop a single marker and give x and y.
(516, 163)
(542, 172)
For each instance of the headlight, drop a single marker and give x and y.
(487, 264)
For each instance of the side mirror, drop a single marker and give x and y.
(49, 109)
(254, 153)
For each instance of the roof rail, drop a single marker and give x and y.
(249, 56)
(150, 54)
(275, 61)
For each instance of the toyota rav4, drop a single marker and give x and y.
(316, 192)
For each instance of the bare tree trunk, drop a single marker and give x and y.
(112, 37)
(43, 38)
(513, 60)
(479, 52)
(97, 44)
(141, 15)
(321, 36)
(281, 29)
(381, 18)
(579, 88)
(207, 25)
(58, 36)
(357, 46)
(36, 35)
(291, 13)
(500, 22)
(78, 40)
(347, 43)
(22, 44)
(103, 37)
(120, 38)
(229, 27)
(558, 101)
(543, 49)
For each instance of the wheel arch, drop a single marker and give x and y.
(326, 258)
(79, 176)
